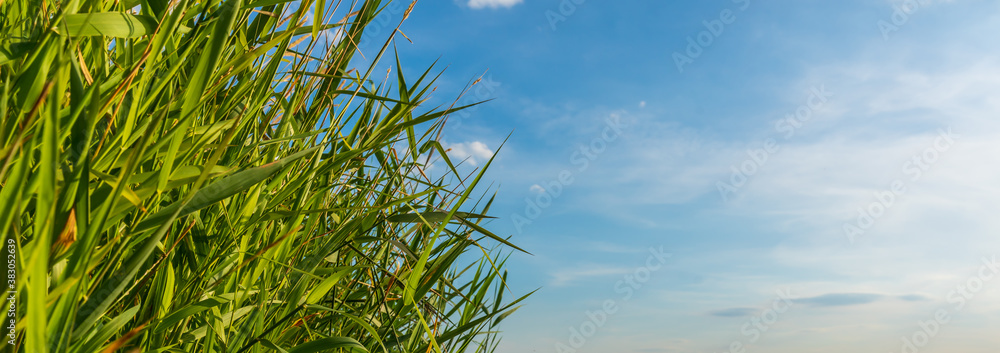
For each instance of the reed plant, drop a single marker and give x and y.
(230, 176)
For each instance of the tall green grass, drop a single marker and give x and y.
(223, 176)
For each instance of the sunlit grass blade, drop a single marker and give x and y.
(221, 176)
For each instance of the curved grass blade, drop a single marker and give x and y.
(107, 24)
(221, 190)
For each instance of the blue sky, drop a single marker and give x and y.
(822, 174)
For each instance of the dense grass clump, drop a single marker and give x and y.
(219, 176)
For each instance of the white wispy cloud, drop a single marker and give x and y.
(931, 240)
(575, 275)
(493, 4)
(473, 152)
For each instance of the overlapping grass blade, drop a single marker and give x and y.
(219, 176)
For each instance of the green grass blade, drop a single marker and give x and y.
(107, 24)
